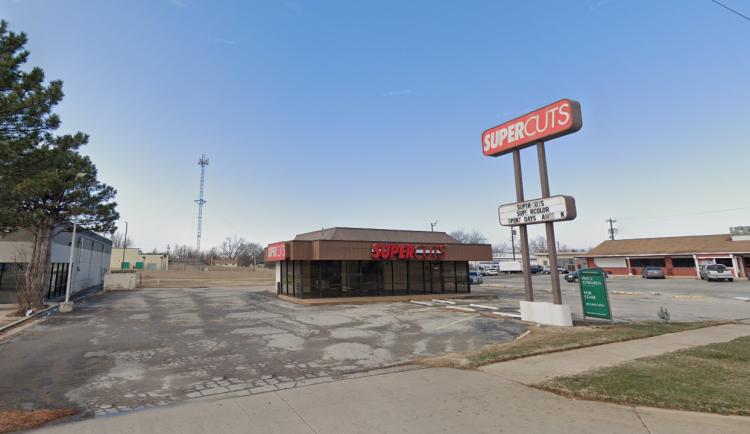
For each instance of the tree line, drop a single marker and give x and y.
(536, 245)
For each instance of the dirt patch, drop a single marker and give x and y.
(207, 278)
(16, 420)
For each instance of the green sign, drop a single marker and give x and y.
(594, 296)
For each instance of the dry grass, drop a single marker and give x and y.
(542, 340)
(713, 378)
(208, 278)
(16, 420)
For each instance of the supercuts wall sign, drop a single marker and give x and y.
(407, 251)
(555, 120)
(276, 251)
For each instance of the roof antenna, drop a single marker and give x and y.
(432, 226)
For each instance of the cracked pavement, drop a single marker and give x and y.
(123, 351)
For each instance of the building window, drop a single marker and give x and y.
(647, 262)
(727, 262)
(449, 277)
(416, 278)
(683, 263)
(462, 276)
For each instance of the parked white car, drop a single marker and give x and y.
(711, 272)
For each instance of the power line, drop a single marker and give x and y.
(731, 10)
(686, 214)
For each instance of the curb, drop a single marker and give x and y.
(46, 311)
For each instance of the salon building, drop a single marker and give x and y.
(345, 262)
(677, 256)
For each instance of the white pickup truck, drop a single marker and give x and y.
(711, 272)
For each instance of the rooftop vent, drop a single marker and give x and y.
(740, 233)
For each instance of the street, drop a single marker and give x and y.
(634, 298)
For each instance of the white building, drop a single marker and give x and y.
(90, 262)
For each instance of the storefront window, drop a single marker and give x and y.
(369, 271)
(436, 277)
(330, 278)
(349, 277)
(400, 278)
(297, 265)
(647, 262)
(284, 279)
(462, 276)
(449, 277)
(683, 263)
(416, 277)
(307, 279)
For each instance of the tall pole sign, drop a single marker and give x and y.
(550, 122)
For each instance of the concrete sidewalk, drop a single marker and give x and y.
(419, 401)
(533, 370)
(491, 400)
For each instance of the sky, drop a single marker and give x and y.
(369, 114)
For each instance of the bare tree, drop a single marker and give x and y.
(231, 247)
(538, 245)
(119, 241)
(464, 237)
(500, 247)
(182, 251)
(251, 254)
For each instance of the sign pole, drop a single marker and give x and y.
(551, 244)
(522, 228)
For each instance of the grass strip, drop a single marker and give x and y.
(553, 340)
(543, 340)
(713, 378)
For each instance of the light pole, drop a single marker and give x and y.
(67, 305)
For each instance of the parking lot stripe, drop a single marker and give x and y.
(456, 322)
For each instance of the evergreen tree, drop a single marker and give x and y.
(44, 180)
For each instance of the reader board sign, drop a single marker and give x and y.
(555, 120)
(276, 251)
(544, 210)
(594, 297)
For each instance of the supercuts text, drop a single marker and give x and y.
(407, 251)
(556, 119)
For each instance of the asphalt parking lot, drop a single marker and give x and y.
(634, 298)
(122, 351)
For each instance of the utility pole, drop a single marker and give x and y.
(203, 162)
(513, 242)
(612, 230)
(432, 226)
(124, 245)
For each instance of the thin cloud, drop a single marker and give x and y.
(397, 92)
(223, 41)
(178, 3)
(292, 6)
(600, 4)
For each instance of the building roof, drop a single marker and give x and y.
(384, 235)
(694, 244)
